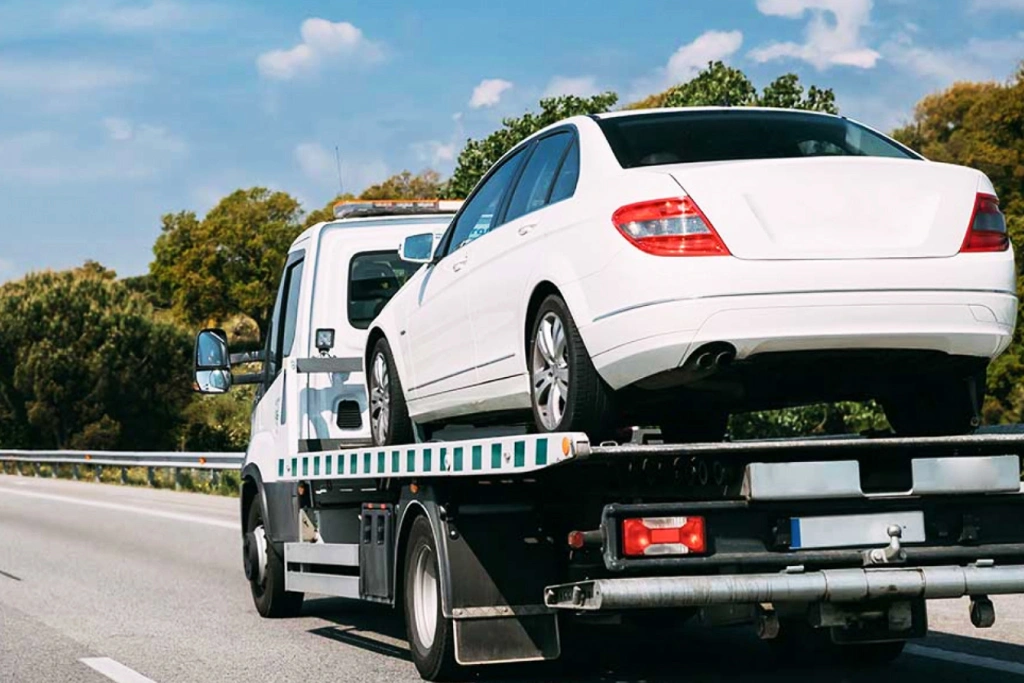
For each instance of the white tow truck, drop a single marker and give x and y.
(494, 543)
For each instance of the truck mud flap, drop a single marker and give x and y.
(829, 585)
(483, 636)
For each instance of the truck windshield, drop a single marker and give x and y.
(735, 134)
(373, 279)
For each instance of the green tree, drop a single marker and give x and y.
(230, 261)
(83, 364)
(982, 125)
(479, 155)
(424, 185)
(721, 85)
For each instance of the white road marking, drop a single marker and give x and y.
(964, 658)
(177, 516)
(115, 671)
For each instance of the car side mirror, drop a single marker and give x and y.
(418, 248)
(212, 363)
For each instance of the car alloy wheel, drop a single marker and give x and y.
(550, 371)
(380, 399)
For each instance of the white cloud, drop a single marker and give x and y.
(7, 269)
(687, 61)
(489, 92)
(976, 60)
(580, 86)
(710, 46)
(33, 76)
(319, 165)
(118, 17)
(835, 42)
(438, 154)
(1012, 5)
(322, 41)
(127, 152)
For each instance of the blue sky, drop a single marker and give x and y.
(113, 113)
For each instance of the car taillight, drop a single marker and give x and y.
(669, 227)
(663, 536)
(987, 231)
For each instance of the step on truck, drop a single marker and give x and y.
(495, 546)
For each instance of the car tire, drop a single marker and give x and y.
(700, 427)
(431, 635)
(389, 416)
(266, 582)
(936, 407)
(566, 393)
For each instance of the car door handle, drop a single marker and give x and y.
(525, 230)
(459, 265)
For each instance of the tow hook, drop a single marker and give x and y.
(890, 554)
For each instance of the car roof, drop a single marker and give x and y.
(663, 110)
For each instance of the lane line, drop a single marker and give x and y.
(964, 658)
(177, 516)
(115, 671)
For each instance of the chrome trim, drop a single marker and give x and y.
(657, 302)
(461, 372)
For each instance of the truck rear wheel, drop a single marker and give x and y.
(265, 570)
(431, 635)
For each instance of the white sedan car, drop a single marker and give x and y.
(673, 266)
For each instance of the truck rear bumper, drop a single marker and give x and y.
(828, 585)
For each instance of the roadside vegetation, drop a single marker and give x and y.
(91, 361)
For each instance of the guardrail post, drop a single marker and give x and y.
(74, 471)
(177, 478)
(35, 469)
(150, 476)
(54, 473)
(214, 478)
(124, 475)
(98, 472)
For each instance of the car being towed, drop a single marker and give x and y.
(674, 266)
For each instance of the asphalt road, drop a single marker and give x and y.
(148, 585)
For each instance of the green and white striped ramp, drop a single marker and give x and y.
(476, 457)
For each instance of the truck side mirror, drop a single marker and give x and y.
(212, 363)
(418, 248)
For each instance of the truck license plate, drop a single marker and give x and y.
(845, 531)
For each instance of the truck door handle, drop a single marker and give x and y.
(526, 229)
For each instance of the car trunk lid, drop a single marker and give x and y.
(833, 208)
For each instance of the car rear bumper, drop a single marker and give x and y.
(644, 340)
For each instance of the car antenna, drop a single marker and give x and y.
(337, 158)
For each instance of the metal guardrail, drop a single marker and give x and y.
(214, 462)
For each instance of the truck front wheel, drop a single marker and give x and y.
(265, 570)
(431, 635)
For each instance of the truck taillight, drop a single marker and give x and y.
(669, 227)
(987, 231)
(647, 536)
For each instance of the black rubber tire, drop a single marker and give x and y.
(271, 599)
(589, 406)
(436, 662)
(700, 427)
(400, 429)
(936, 407)
(798, 644)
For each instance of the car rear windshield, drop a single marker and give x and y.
(686, 137)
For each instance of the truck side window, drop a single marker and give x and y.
(373, 278)
(282, 330)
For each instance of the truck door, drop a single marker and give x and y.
(275, 421)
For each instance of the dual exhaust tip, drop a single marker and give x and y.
(717, 358)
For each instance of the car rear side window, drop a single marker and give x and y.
(373, 278)
(735, 134)
(478, 212)
(534, 184)
(565, 183)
